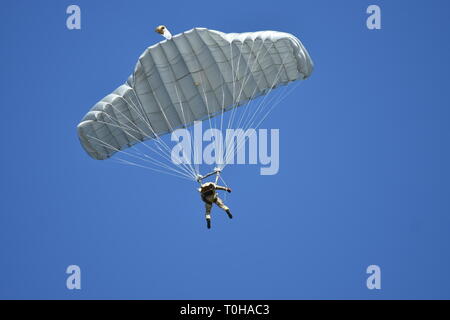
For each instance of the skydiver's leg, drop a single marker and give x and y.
(221, 205)
(208, 214)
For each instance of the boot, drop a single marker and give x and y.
(208, 223)
(229, 214)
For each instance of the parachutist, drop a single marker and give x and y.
(209, 196)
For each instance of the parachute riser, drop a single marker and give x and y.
(215, 172)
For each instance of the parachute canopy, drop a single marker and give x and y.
(195, 75)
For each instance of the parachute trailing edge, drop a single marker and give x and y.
(194, 75)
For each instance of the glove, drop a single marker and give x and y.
(229, 190)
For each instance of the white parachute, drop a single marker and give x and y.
(193, 76)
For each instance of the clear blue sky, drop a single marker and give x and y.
(363, 176)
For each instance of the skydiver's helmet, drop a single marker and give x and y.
(160, 29)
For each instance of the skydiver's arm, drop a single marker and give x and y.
(223, 188)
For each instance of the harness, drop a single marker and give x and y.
(210, 189)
